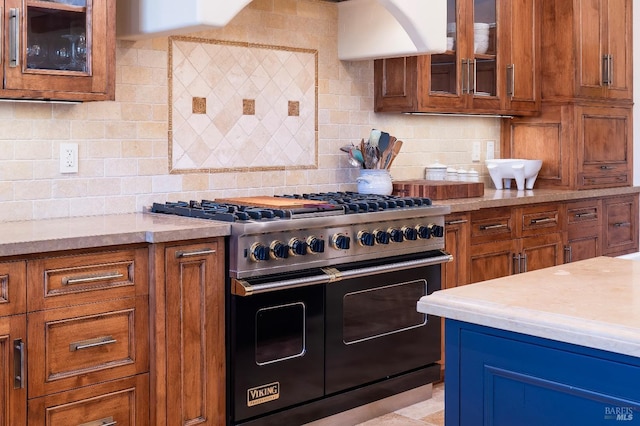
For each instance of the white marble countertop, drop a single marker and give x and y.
(38, 236)
(593, 303)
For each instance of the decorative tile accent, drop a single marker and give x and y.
(260, 109)
(249, 107)
(199, 105)
(294, 109)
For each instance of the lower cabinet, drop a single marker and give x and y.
(620, 225)
(188, 384)
(584, 230)
(13, 391)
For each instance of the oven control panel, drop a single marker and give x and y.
(295, 249)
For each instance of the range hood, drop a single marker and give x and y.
(138, 19)
(374, 29)
(367, 29)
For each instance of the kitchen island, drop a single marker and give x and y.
(556, 346)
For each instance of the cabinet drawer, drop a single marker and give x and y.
(621, 225)
(537, 220)
(592, 181)
(584, 217)
(491, 225)
(13, 288)
(121, 402)
(94, 343)
(87, 278)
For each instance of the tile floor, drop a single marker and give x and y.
(426, 413)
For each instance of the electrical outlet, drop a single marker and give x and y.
(475, 151)
(490, 150)
(68, 158)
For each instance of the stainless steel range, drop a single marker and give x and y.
(321, 300)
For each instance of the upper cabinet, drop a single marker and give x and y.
(490, 66)
(587, 47)
(58, 50)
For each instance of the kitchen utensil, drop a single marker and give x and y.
(355, 157)
(383, 142)
(370, 156)
(374, 137)
(346, 148)
(394, 153)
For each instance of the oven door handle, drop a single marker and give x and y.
(394, 267)
(331, 275)
(244, 288)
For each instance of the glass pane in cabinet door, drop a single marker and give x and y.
(485, 47)
(444, 66)
(57, 36)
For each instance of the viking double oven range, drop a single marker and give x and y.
(321, 301)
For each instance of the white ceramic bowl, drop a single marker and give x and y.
(480, 46)
(525, 172)
(450, 43)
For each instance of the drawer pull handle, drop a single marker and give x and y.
(14, 37)
(607, 167)
(544, 220)
(498, 226)
(583, 215)
(456, 222)
(181, 254)
(622, 224)
(18, 364)
(91, 278)
(91, 343)
(107, 421)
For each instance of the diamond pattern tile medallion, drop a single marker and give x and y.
(241, 106)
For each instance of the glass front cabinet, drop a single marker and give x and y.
(490, 65)
(58, 49)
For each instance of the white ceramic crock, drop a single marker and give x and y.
(374, 181)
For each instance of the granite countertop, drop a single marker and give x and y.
(593, 303)
(38, 236)
(513, 197)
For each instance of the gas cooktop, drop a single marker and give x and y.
(310, 205)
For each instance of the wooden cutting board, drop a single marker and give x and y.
(438, 189)
(271, 202)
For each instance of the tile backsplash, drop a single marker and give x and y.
(124, 161)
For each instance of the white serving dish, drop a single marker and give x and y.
(523, 171)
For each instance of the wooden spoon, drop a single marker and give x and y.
(394, 153)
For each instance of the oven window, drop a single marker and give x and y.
(280, 333)
(381, 311)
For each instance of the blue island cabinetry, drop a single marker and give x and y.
(504, 378)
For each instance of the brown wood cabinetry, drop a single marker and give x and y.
(88, 337)
(503, 78)
(13, 336)
(584, 230)
(620, 222)
(508, 241)
(587, 47)
(188, 334)
(62, 50)
(581, 146)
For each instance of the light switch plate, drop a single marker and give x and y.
(475, 151)
(490, 150)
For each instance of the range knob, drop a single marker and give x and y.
(436, 230)
(366, 239)
(382, 237)
(410, 234)
(279, 250)
(297, 247)
(259, 252)
(423, 232)
(316, 245)
(397, 236)
(341, 242)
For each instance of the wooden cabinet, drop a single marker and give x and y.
(188, 334)
(584, 230)
(587, 47)
(582, 146)
(509, 241)
(499, 76)
(88, 337)
(620, 223)
(63, 50)
(456, 238)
